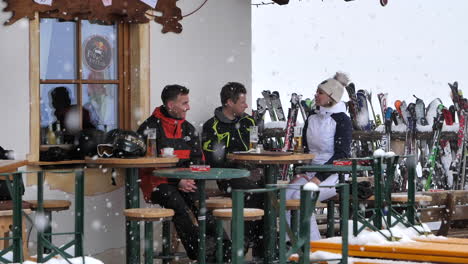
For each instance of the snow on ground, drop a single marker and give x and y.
(367, 237)
(79, 260)
(87, 260)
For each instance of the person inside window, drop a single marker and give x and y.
(173, 131)
(67, 114)
(228, 131)
(327, 133)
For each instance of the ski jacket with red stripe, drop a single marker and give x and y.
(171, 133)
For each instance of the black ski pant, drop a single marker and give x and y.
(253, 231)
(169, 196)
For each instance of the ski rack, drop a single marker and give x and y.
(384, 171)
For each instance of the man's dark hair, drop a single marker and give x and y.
(232, 90)
(170, 92)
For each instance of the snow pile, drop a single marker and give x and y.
(379, 153)
(402, 233)
(78, 260)
(310, 186)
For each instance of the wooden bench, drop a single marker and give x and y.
(446, 206)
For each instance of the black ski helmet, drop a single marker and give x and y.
(128, 144)
(88, 141)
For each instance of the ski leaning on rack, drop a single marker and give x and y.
(266, 96)
(353, 104)
(431, 163)
(289, 133)
(291, 122)
(363, 111)
(458, 164)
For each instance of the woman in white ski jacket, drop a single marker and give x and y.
(327, 134)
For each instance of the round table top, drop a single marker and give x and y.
(132, 163)
(295, 158)
(212, 174)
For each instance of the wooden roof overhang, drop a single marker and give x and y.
(120, 11)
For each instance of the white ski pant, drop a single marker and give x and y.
(294, 192)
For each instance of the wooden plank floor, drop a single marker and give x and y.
(418, 251)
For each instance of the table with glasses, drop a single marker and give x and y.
(270, 160)
(132, 192)
(201, 177)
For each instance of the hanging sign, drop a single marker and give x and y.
(44, 2)
(151, 3)
(97, 53)
(107, 2)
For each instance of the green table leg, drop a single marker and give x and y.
(411, 164)
(40, 212)
(270, 217)
(79, 212)
(149, 242)
(219, 241)
(201, 222)
(237, 227)
(306, 211)
(132, 228)
(344, 222)
(330, 218)
(355, 197)
(378, 192)
(166, 247)
(17, 215)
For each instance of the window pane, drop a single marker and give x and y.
(59, 105)
(100, 101)
(58, 49)
(99, 51)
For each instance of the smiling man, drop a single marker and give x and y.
(173, 131)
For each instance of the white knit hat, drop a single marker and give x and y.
(334, 87)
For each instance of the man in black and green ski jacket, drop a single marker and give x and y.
(228, 131)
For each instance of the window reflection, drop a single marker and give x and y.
(58, 49)
(101, 102)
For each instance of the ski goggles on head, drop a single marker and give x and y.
(105, 150)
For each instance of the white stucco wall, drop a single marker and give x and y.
(213, 48)
(14, 85)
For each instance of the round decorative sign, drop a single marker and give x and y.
(97, 53)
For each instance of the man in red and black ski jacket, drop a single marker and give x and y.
(228, 131)
(179, 195)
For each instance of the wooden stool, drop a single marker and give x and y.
(149, 215)
(218, 203)
(250, 214)
(49, 207)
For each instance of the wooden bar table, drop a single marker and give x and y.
(270, 160)
(201, 177)
(132, 193)
(7, 168)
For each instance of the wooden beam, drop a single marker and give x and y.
(139, 74)
(34, 91)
